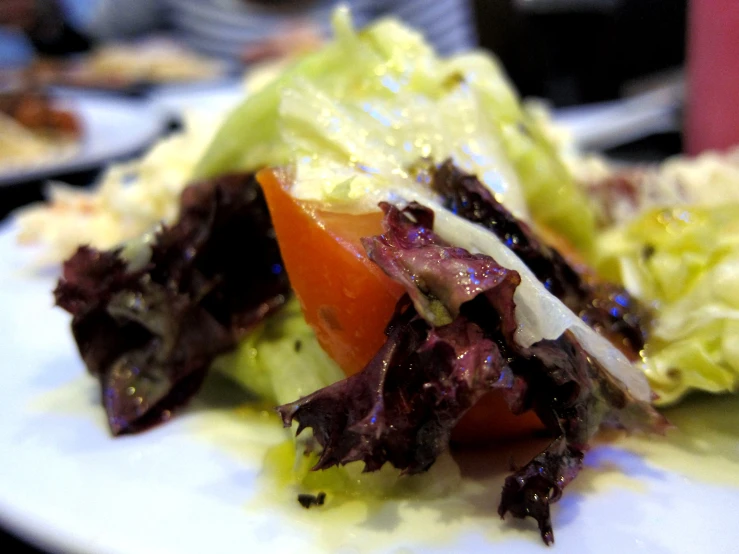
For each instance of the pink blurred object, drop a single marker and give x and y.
(712, 117)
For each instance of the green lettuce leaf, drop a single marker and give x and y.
(282, 361)
(685, 261)
(372, 103)
(550, 190)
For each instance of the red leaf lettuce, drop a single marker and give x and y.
(450, 341)
(150, 333)
(607, 308)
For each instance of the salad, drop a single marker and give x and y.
(388, 248)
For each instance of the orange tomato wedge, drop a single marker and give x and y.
(345, 297)
(348, 300)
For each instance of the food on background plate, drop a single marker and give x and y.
(35, 129)
(416, 207)
(120, 66)
(152, 61)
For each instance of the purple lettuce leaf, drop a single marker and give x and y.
(402, 407)
(607, 308)
(150, 334)
(531, 489)
(439, 278)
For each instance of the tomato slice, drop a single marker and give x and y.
(348, 300)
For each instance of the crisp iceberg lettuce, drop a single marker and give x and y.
(356, 117)
(685, 261)
(372, 103)
(281, 359)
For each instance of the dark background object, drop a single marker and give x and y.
(647, 150)
(580, 51)
(9, 543)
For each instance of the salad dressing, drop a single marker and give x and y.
(703, 447)
(433, 509)
(77, 397)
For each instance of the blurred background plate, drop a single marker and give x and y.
(176, 99)
(113, 128)
(604, 125)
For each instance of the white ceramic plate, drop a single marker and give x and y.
(193, 486)
(606, 125)
(209, 97)
(113, 128)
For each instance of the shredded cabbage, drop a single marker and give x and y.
(684, 260)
